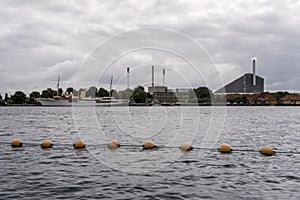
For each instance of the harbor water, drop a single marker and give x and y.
(166, 172)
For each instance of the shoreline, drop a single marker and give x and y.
(144, 105)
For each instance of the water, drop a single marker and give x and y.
(164, 173)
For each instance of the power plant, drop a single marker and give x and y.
(249, 83)
(166, 96)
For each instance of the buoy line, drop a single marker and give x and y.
(185, 146)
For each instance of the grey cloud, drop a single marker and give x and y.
(40, 40)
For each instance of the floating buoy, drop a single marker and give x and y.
(225, 148)
(79, 144)
(46, 144)
(148, 145)
(185, 146)
(113, 144)
(16, 142)
(267, 151)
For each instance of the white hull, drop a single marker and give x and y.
(67, 103)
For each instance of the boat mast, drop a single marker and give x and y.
(58, 79)
(110, 87)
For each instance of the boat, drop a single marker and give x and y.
(70, 100)
(111, 101)
(66, 101)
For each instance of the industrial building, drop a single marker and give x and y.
(249, 83)
(166, 96)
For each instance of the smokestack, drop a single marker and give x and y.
(152, 76)
(254, 70)
(127, 77)
(58, 79)
(164, 77)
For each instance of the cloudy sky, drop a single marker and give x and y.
(197, 42)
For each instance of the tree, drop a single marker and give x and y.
(19, 97)
(237, 98)
(6, 98)
(33, 95)
(60, 91)
(278, 95)
(139, 95)
(1, 97)
(102, 92)
(49, 93)
(69, 90)
(200, 95)
(91, 92)
(202, 92)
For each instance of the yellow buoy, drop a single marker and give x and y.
(79, 144)
(267, 151)
(225, 148)
(185, 146)
(16, 142)
(113, 144)
(148, 145)
(46, 144)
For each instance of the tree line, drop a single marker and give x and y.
(137, 95)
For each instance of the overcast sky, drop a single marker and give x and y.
(76, 40)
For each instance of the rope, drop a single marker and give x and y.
(31, 144)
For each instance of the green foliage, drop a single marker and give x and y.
(102, 92)
(149, 96)
(202, 92)
(200, 95)
(238, 99)
(278, 95)
(6, 98)
(34, 94)
(19, 97)
(139, 95)
(69, 90)
(60, 91)
(49, 93)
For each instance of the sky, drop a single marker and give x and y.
(199, 43)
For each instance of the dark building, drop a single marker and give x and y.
(244, 84)
(248, 83)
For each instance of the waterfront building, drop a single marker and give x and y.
(264, 98)
(292, 99)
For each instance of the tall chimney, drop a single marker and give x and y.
(152, 76)
(164, 77)
(127, 77)
(254, 71)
